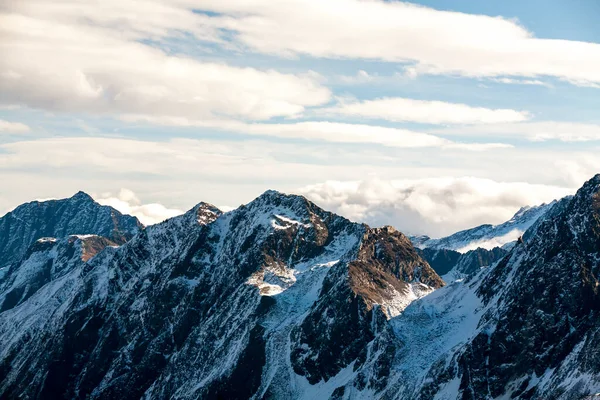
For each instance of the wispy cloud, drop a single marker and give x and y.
(399, 109)
(337, 132)
(127, 202)
(89, 66)
(435, 42)
(13, 127)
(530, 82)
(533, 131)
(360, 77)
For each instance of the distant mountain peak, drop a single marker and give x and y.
(82, 196)
(76, 215)
(592, 186)
(205, 213)
(275, 197)
(488, 236)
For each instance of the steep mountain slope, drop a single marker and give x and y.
(79, 214)
(45, 261)
(526, 328)
(487, 236)
(277, 299)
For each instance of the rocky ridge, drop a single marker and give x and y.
(187, 307)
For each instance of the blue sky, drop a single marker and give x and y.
(432, 116)
(556, 19)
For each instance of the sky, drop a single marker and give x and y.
(433, 116)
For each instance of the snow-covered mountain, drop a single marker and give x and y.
(276, 299)
(487, 236)
(526, 328)
(79, 214)
(280, 299)
(465, 252)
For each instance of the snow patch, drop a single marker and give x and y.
(489, 244)
(47, 240)
(287, 222)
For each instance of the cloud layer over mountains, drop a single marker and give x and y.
(436, 207)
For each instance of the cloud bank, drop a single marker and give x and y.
(336, 132)
(127, 202)
(13, 127)
(436, 207)
(430, 41)
(68, 56)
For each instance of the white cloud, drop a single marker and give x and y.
(437, 42)
(534, 131)
(280, 165)
(337, 132)
(361, 76)
(478, 146)
(91, 57)
(531, 82)
(127, 202)
(96, 57)
(437, 206)
(176, 159)
(429, 112)
(579, 168)
(182, 172)
(372, 79)
(13, 127)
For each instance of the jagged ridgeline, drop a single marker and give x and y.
(280, 299)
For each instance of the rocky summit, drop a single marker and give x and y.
(280, 299)
(79, 214)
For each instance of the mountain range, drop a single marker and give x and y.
(280, 299)
(487, 236)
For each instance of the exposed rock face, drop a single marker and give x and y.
(263, 302)
(78, 215)
(388, 268)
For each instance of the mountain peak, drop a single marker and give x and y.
(488, 236)
(81, 196)
(591, 186)
(205, 213)
(77, 215)
(275, 195)
(274, 200)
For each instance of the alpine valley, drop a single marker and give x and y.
(280, 299)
